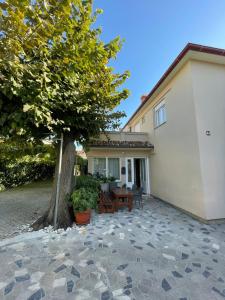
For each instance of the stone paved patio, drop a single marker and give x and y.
(157, 253)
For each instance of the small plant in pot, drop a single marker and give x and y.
(105, 182)
(83, 201)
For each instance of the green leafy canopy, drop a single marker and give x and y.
(54, 70)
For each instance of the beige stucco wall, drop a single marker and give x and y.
(175, 165)
(118, 153)
(209, 94)
(187, 168)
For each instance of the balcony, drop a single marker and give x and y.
(117, 139)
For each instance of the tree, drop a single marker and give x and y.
(55, 78)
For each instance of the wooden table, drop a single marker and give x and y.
(123, 197)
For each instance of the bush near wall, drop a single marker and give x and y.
(24, 172)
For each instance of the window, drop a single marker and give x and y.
(99, 167)
(114, 168)
(109, 167)
(160, 114)
(129, 170)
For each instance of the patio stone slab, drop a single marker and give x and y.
(144, 254)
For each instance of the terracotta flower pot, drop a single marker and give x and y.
(83, 218)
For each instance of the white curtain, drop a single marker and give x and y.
(100, 166)
(114, 168)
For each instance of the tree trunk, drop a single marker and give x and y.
(64, 218)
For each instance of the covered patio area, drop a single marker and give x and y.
(155, 253)
(124, 156)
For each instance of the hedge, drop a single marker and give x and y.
(20, 173)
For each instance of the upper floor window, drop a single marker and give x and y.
(160, 114)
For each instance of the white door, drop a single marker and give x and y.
(129, 172)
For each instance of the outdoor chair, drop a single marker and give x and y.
(106, 203)
(137, 197)
(134, 187)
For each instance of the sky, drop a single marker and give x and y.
(155, 32)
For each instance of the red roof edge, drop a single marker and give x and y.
(188, 47)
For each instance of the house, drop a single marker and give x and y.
(174, 143)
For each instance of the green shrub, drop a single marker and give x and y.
(23, 162)
(87, 182)
(104, 179)
(16, 174)
(84, 198)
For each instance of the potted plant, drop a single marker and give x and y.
(112, 183)
(104, 183)
(83, 201)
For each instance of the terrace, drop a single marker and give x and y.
(155, 253)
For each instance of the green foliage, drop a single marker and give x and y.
(54, 70)
(23, 162)
(24, 172)
(24, 151)
(82, 165)
(86, 193)
(104, 179)
(87, 182)
(83, 199)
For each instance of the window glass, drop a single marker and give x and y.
(129, 171)
(160, 114)
(114, 168)
(100, 166)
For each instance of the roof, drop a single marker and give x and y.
(188, 47)
(120, 144)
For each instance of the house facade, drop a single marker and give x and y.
(174, 145)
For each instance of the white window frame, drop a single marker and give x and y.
(160, 108)
(107, 166)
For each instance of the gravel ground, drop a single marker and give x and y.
(22, 206)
